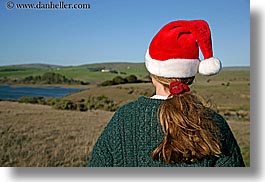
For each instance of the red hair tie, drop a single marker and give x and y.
(177, 87)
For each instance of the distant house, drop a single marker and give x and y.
(109, 71)
(105, 70)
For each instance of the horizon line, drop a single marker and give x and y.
(106, 62)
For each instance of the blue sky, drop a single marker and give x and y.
(118, 30)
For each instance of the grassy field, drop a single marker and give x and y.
(37, 135)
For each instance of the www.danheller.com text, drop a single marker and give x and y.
(49, 5)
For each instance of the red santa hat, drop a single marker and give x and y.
(174, 51)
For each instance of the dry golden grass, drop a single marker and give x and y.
(36, 135)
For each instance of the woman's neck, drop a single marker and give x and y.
(161, 90)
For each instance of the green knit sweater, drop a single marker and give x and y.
(134, 132)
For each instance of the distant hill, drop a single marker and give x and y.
(35, 66)
(237, 68)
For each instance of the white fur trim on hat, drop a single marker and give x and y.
(178, 68)
(210, 66)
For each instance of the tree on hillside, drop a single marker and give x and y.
(131, 79)
(119, 80)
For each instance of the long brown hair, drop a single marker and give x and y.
(190, 133)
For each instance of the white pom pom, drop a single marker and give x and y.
(210, 66)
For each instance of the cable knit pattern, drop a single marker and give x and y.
(134, 132)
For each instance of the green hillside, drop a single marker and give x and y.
(89, 73)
